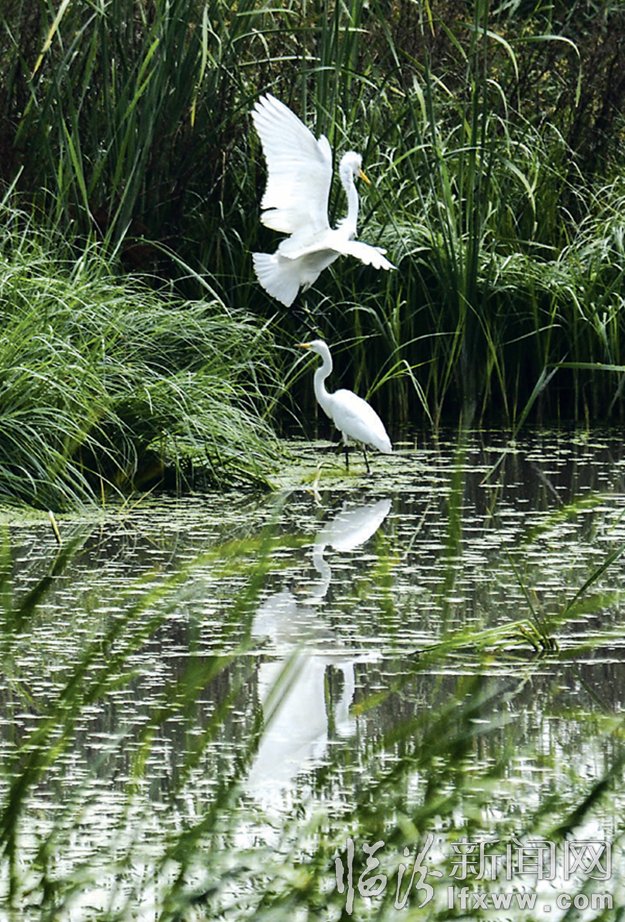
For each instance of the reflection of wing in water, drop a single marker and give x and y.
(352, 527)
(346, 531)
(276, 616)
(297, 727)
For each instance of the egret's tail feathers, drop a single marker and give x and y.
(279, 277)
(379, 438)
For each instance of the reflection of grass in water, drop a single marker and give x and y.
(106, 665)
(452, 765)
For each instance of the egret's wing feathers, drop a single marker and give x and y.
(296, 247)
(299, 170)
(369, 255)
(304, 244)
(281, 278)
(353, 416)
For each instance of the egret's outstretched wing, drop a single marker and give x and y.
(369, 255)
(296, 248)
(299, 170)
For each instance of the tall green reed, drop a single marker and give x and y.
(107, 385)
(470, 197)
(130, 124)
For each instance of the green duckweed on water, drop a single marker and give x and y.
(214, 695)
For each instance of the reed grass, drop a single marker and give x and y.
(493, 140)
(491, 136)
(106, 384)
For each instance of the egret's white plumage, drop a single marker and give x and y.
(296, 203)
(350, 413)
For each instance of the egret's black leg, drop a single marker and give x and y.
(346, 450)
(364, 451)
(303, 314)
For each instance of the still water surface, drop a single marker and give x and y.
(310, 642)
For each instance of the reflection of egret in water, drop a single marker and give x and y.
(292, 688)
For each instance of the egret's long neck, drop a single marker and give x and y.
(323, 397)
(351, 220)
(320, 588)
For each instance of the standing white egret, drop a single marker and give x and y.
(296, 203)
(350, 413)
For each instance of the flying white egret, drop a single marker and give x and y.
(296, 203)
(350, 413)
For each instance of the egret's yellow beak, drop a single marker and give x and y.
(303, 345)
(363, 175)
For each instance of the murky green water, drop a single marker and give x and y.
(436, 649)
